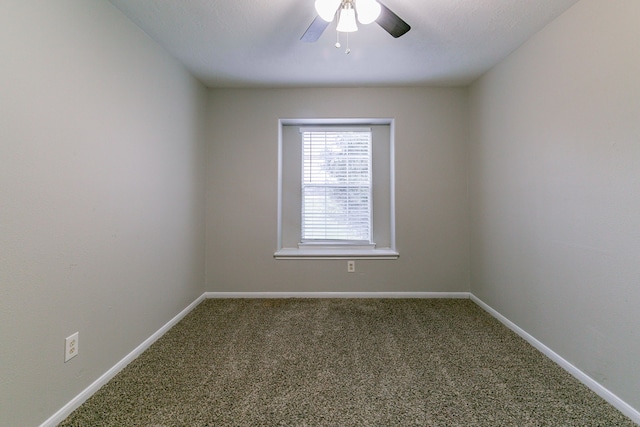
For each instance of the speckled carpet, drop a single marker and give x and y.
(343, 362)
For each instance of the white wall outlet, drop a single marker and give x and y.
(71, 347)
(351, 266)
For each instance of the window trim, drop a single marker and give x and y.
(333, 251)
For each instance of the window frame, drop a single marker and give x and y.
(337, 250)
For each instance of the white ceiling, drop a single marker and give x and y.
(256, 43)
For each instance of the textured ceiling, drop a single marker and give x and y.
(256, 43)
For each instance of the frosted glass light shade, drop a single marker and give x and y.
(327, 9)
(347, 21)
(368, 11)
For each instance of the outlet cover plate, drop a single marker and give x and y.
(351, 266)
(70, 347)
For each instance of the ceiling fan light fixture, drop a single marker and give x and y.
(347, 20)
(368, 11)
(327, 9)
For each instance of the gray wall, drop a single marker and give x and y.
(431, 190)
(102, 197)
(555, 185)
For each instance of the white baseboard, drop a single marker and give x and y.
(600, 390)
(67, 409)
(456, 295)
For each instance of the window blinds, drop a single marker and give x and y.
(336, 185)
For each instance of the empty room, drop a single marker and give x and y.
(319, 213)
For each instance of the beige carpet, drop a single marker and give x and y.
(343, 362)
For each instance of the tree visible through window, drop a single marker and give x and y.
(336, 186)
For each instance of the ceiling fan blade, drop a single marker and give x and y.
(315, 30)
(391, 22)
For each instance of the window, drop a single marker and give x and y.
(336, 185)
(335, 189)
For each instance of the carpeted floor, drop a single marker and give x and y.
(343, 362)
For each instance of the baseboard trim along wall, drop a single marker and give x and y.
(451, 295)
(600, 390)
(614, 400)
(75, 403)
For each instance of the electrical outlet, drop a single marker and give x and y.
(71, 347)
(351, 266)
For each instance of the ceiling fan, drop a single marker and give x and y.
(367, 11)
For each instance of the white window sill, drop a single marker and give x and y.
(336, 253)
